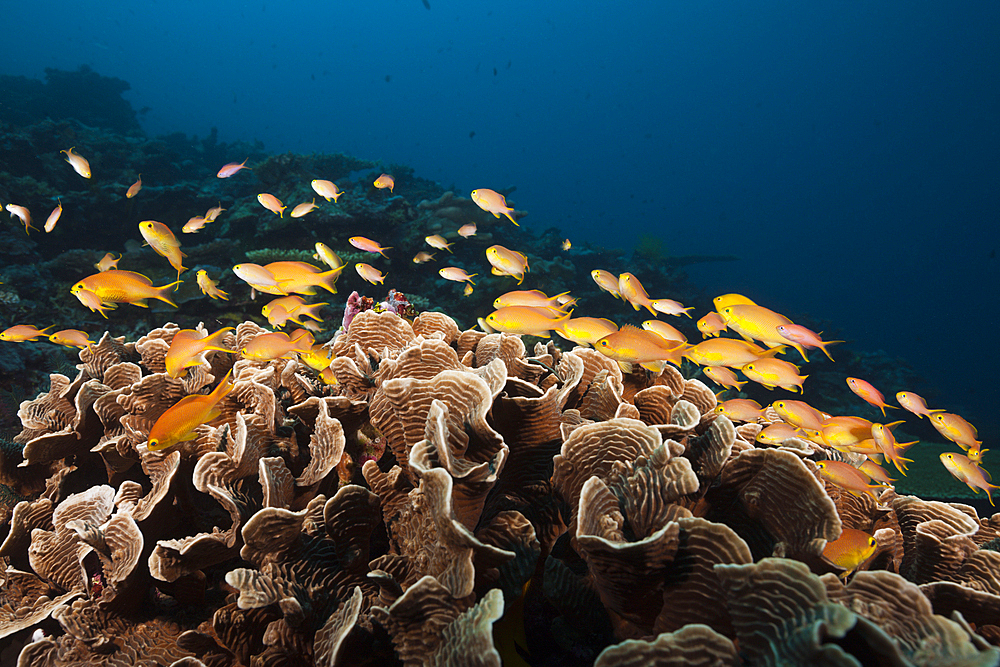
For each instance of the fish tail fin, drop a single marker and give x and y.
(823, 345)
(801, 350)
(162, 292)
(686, 311)
(508, 212)
(473, 276)
(382, 251)
(214, 341)
(223, 388)
(329, 279)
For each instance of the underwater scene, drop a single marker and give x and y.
(422, 332)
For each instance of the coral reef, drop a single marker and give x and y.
(538, 503)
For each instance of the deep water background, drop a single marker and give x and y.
(847, 152)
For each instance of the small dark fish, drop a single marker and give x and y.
(494, 71)
(472, 134)
(427, 4)
(388, 78)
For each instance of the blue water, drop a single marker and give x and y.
(847, 152)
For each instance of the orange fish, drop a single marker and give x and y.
(664, 330)
(272, 204)
(422, 257)
(266, 347)
(800, 414)
(465, 231)
(958, 431)
(506, 262)
(727, 352)
(326, 190)
(369, 273)
(723, 377)
(71, 338)
(188, 348)
(850, 550)
(209, 287)
(78, 162)
(585, 330)
(23, 213)
(885, 439)
(876, 472)
(869, 394)
(566, 245)
(295, 307)
(775, 373)
(303, 209)
(163, 242)
(631, 345)
(711, 325)
(525, 320)
(777, 433)
(796, 333)
(632, 291)
(438, 241)
(914, 403)
(317, 358)
(670, 307)
(843, 431)
(92, 301)
(740, 409)
(257, 277)
(180, 420)
(194, 224)
(385, 181)
(361, 243)
(968, 471)
(53, 218)
(108, 262)
(606, 281)
(133, 189)
(115, 286)
(301, 278)
(848, 478)
(467, 290)
(214, 213)
(758, 323)
(534, 298)
(456, 274)
(493, 202)
(231, 168)
(20, 333)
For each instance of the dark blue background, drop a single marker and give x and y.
(846, 151)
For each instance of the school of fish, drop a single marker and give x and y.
(762, 335)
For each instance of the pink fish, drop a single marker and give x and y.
(914, 403)
(361, 243)
(53, 218)
(231, 168)
(796, 333)
(869, 394)
(272, 204)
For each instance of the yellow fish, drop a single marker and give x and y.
(740, 409)
(385, 181)
(584, 330)
(664, 330)
(777, 433)
(272, 204)
(294, 307)
(534, 298)
(188, 348)
(71, 338)
(302, 277)
(438, 241)
(631, 345)
(968, 471)
(328, 256)
(848, 478)
(326, 190)
(724, 300)
(303, 209)
(632, 291)
(606, 281)
(163, 242)
(760, 324)
(885, 439)
(506, 262)
(800, 413)
(723, 377)
(369, 273)
(456, 274)
(958, 431)
(78, 162)
(266, 347)
(493, 202)
(209, 287)
(850, 550)
(116, 286)
(20, 333)
(843, 431)
(914, 403)
(876, 472)
(180, 420)
(525, 320)
(775, 373)
(727, 352)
